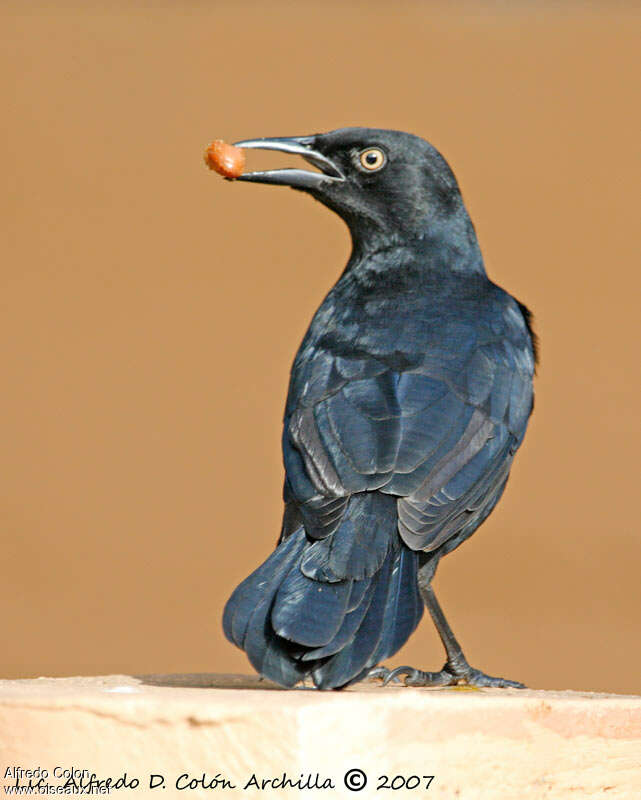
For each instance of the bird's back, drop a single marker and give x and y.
(419, 386)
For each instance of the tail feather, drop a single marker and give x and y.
(351, 623)
(307, 611)
(358, 593)
(263, 582)
(341, 668)
(324, 614)
(246, 616)
(357, 549)
(395, 616)
(403, 609)
(269, 654)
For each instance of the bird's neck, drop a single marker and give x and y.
(448, 246)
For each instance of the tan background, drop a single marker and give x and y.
(151, 312)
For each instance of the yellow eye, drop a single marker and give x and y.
(372, 159)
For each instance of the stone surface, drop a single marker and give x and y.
(476, 743)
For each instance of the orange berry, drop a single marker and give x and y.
(225, 159)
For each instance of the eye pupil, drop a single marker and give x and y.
(372, 159)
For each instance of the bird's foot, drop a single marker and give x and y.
(450, 675)
(382, 674)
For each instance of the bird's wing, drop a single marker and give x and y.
(449, 484)
(440, 432)
(332, 446)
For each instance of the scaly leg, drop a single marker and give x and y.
(456, 669)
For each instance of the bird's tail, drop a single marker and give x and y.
(331, 608)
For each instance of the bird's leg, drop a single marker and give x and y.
(456, 669)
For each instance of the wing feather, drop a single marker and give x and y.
(438, 429)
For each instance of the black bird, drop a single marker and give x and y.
(409, 396)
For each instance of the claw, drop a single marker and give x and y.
(395, 674)
(383, 674)
(416, 677)
(474, 677)
(448, 676)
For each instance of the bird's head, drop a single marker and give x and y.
(385, 184)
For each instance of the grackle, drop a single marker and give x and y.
(409, 396)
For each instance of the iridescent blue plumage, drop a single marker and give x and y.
(408, 399)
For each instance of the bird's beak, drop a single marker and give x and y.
(297, 178)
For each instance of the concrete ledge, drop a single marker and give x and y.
(476, 743)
